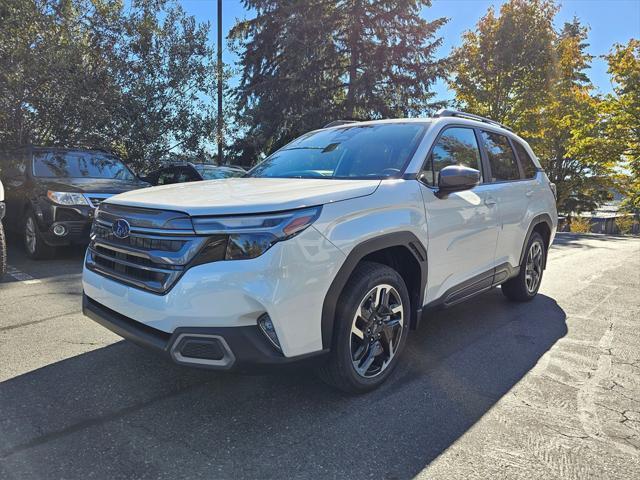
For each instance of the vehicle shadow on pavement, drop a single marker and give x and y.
(120, 411)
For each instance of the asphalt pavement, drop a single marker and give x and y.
(486, 389)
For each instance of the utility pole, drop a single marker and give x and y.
(219, 70)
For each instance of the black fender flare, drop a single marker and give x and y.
(537, 220)
(396, 239)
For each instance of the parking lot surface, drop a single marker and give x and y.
(487, 389)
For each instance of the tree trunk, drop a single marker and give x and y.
(354, 58)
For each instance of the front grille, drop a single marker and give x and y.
(152, 259)
(144, 243)
(96, 199)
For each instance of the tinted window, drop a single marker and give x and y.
(79, 165)
(501, 157)
(186, 174)
(359, 151)
(213, 173)
(528, 166)
(166, 176)
(456, 146)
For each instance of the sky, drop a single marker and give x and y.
(610, 22)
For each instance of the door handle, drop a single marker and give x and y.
(490, 202)
(529, 193)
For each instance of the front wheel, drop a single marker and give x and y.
(526, 285)
(371, 327)
(34, 245)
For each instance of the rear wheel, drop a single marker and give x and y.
(34, 245)
(526, 285)
(371, 327)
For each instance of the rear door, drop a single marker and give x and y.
(512, 193)
(463, 226)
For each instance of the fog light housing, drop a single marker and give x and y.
(59, 230)
(266, 325)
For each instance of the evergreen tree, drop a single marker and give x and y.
(307, 63)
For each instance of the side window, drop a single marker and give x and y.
(166, 176)
(528, 166)
(501, 157)
(456, 146)
(186, 174)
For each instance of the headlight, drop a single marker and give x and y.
(248, 236)
(67, 198)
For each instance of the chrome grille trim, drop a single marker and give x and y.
(150, 231)
(95, 199)
(151, 258)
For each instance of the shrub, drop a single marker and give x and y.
(580, 225)
(625, 224)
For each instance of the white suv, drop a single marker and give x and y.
(329, 251)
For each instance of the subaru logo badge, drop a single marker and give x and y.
(121, 228)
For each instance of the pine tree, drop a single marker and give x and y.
(307, 63)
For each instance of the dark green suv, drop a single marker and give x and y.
(51, 193)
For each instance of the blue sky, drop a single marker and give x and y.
(610, 21)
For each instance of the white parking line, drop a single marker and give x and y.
(21, 276)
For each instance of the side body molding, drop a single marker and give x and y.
(395, 239)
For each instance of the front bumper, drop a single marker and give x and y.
(76, 220)
(243, 349)
(288, 282)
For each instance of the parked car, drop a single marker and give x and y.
(329, 251)
(191, 172)
(3, 240)
(51, 193)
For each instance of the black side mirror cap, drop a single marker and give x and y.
(456, 178)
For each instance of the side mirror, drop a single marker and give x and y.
(455, 178)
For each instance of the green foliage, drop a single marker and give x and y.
(514, 67)
(625, 224)
(92, 73)
(622, 110)
(504, 67)
(305, 64)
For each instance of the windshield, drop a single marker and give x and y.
(213, 173)
(80, 165)
(358, 151)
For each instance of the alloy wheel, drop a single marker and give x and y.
(376, 330)
(533, 267)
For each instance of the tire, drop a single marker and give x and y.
(34, 245)
(375, 337)
(525, 286)
(3, 252)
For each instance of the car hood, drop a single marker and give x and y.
(246, 195)
(90, 185)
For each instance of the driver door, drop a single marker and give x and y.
(462, 226)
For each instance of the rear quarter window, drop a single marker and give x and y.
(530, 169)
(502, 160)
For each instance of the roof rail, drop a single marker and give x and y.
(445, 112)
(336, 123)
